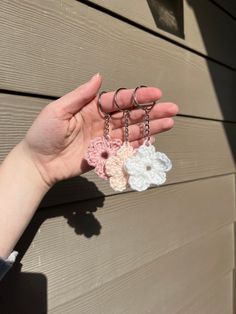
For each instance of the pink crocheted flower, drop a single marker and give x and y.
(99, 150)
(115, 170)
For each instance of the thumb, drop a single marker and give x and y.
(81, 96)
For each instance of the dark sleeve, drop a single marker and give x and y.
(5, 265)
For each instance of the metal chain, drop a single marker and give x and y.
(146, 125)
(106, 126)
(126, 118)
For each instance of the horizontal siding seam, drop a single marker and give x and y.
(170, 252)
(27, 94)
(205, 118)
(223, 9)
(51, 98)
(131, 191)
(136, 269)
(217, 279)
(207, 288)
(150, 31)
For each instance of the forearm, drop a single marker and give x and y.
(21, 190)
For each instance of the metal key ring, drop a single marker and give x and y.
(104, 113)
(126, 114)
(115, 99)
(146, 106)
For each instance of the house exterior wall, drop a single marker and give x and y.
(169, 250)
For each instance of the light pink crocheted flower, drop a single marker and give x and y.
(115, 170)
(99, 150)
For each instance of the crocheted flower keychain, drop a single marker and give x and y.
(101, 148)
(115, 164)
(146, 167)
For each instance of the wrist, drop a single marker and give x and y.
(23, 152)
(21, 191)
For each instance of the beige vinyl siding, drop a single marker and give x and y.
(137, 229)
(167, 283)
(214, 25)
(198, 148)
(169, 250)
(60, 44)
(216, 299)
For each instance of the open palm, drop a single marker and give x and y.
(60, 135)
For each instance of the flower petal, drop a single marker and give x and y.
(134, 165)
(114, 166)
(94, 151)
(156, 177)
(118, 183)
(114, 145)
(100, 170)
(98, 144)
(162, 162)
(146, 151)
(138, 183)
(99, 150)
(125, 151)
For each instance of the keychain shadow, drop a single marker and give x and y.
(22, 292)
(83, 220)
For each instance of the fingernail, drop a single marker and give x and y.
(95, 76)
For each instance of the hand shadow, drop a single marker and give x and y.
(79, 215)
(22, 292)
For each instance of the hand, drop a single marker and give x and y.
(59, 137)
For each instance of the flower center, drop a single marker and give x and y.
(104, 155)
(148, 168)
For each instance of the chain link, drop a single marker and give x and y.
(126, 118)
(106, 126)
(146, 125)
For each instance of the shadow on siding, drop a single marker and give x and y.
(228, 113)
(26, 293)
(23, 293)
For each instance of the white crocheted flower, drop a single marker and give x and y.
(147, 167)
